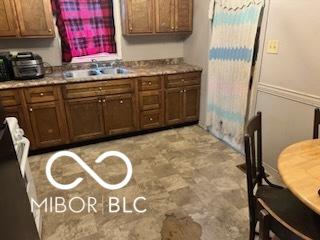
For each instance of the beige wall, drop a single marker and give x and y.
(288, 87)
(196, 48)
(132, 49)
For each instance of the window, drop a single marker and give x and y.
(86, 27)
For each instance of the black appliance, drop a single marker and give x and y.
(27, 65)
(6, 71)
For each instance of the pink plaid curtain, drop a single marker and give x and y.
(86, 27)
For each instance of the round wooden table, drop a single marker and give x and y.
(299, 167)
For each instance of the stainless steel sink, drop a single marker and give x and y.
(104, 71)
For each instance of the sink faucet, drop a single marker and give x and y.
(95, 64)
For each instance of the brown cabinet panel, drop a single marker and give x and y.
(185, 79)
(139, 18)
(9, 98)
(165, 16)
(120, 114)
(81, 90)
(8, 27)
(41, 94)
(35, 17)
(17, 112)
(183, 15)
(191, 98)
(48, 124)
(150, 100)
(151, 119)
(174, 108)
(85, 118)
(150, 83)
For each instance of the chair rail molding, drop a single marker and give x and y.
(286, 93)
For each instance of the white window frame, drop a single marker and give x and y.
(117, 36)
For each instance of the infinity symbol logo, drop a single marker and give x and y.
(92, 173)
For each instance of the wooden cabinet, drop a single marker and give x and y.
(146, 17)
(164, 13)
(48, 124)
(138, 17)
(17, 112)
(85, 118)
(183, 15)
(20, 18)
(35, 17)
(174, 106)
(182, 97)
(7, 19)
(120, 114)
(151, 105)
(173, 15)
(191, 103)
(55, 115)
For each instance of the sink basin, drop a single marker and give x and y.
(95, 72)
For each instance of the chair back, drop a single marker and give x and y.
(254, 168)
(316, 123)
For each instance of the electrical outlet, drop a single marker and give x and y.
(273, 47)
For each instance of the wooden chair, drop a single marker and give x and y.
(289, 215)
(316, 123)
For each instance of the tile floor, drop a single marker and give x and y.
(183, 171)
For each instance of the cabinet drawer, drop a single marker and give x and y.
(150, 83)
(41, 94)
(9, 98)
(150, 100)
(151, 119)
(98, 88)
(185, 79)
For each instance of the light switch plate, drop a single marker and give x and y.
(273, 47)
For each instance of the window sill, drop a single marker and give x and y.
(96, 57)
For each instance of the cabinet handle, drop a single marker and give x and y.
(181, 91)
(151, 119)
(103, 100)
(121, 101)
(99, 101)
(41, 94)
(30, 109)
(150, 83)
(172, 27)
(182, 80)
(130, 29)
(184, 90)
(50, 30)
(100, 88)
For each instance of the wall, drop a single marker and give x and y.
(288, 86)
(196, 49)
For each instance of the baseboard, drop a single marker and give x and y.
(272, 172)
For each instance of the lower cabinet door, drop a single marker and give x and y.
(174, 109)
(191, 98)
(120, 114)
(85, 118)
(17, 112)
(48, 124)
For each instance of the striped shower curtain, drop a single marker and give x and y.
(234, 28)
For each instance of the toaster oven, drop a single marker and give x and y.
(27, 65)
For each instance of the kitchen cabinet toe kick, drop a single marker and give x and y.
(60, 115)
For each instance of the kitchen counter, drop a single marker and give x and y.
(57, 78)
